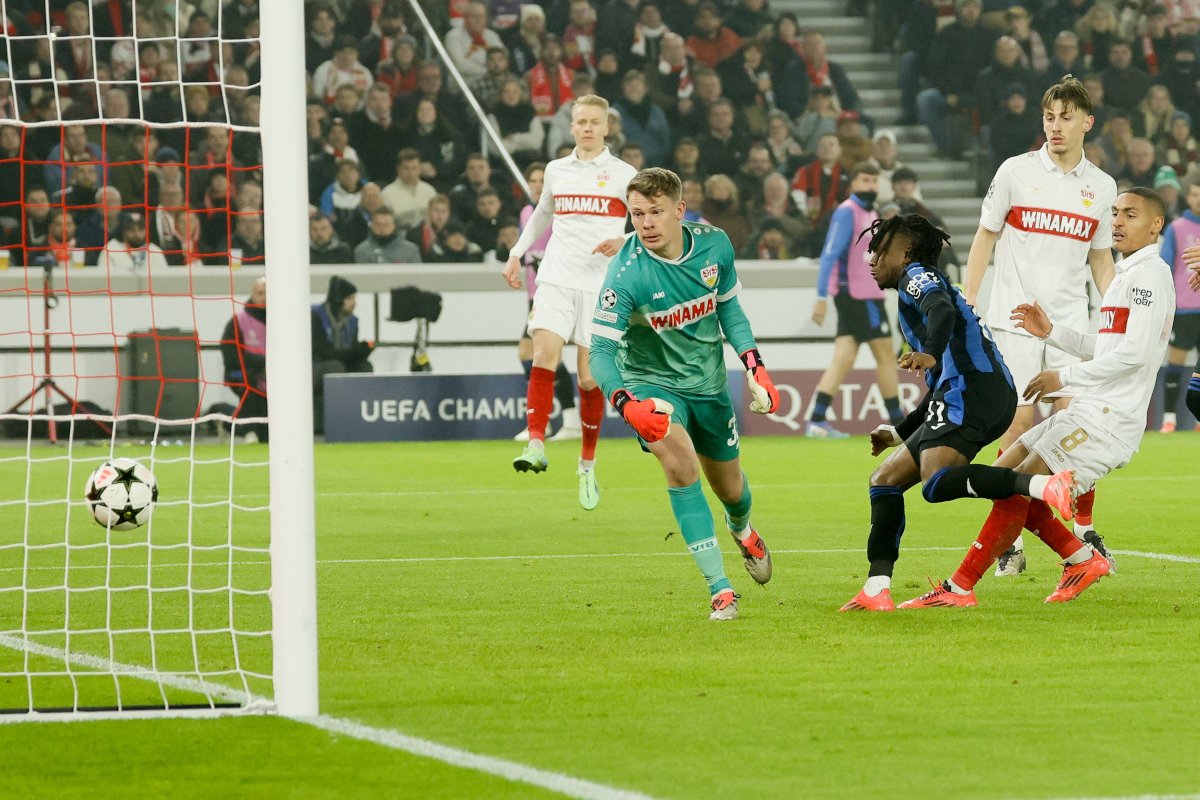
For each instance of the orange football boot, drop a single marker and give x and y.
(1060, 493)
(941, 597)
(1077, 577)
(864, 602)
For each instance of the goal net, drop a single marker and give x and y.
(133, 326)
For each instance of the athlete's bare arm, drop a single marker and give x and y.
(977, 263)
(1103, 268)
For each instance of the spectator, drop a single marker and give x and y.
(345, 193)
(60, 244)
(1182, 74)
(129, 250)
(747, 84)
(785, 150)
(374, 136)
(1115, 142)
(1033, 49)
(343, 69)
(647, 36)
(1141, 167)
(335, 345)
(680, 16)
(549, 80)
(95, 226)
(614, 30)
(318, 44)
(712, 42)
(399, 73)
(515, 120)
(1179, 151)
(608, 76)
(408, 195)
(1068, 58)
(1097, 31)
(468, 45)
(161, 224)
(907, 192)
(631, 153)
(506, 239)
(525, 42)
(1157, 43)
(36, 226)
(994, 84)
(855, 147)
(691, 113)
(958, 53)
(487, 88)
(786, 45)
(323, 166)
(916, 37)
(579, 38)
(750, 17)
(1124, 85)
(687, 160)
(247, 242)
(615, 139)
(1060, 15)
(450, 106)
(669, 82)
(812, 70)
(377, 46)
(722, 149)
(884, 154)
(425, 235)
(346, 101)
(1101, 111)
(385, 245)
(453, 246)
(1015, 127)
(642, 121)
(484, 229)
(442, 152)
(558, 132)
(354, 226)
(75, 54)
(1166, 183)
(750, 177)
(769, 242)
(819, 119)
(316, 117)
(75, 148)
(243, 356)
(777, 205)
(693, 200)
(324, 246)
(723, 208)
(1155, 113)
(820, 186)
(81, 193)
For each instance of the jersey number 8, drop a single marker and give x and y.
(1078, 437)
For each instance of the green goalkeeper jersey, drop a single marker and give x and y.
(664, 319)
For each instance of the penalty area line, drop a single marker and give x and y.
(509, 770)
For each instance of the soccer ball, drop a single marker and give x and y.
(121, 494)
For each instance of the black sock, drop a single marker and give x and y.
(527, 366)
(564, 390)
(1172, 382)
(975, 480)
(887, 526)
(892, 404)
(1193, 396)
(820, 406)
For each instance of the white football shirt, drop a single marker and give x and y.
(586, 201)
(1049, 221)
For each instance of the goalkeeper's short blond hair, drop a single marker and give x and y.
(590, 100)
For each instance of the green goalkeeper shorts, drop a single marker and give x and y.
(709, 419)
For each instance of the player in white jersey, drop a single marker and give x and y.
(584, 194)
(1103, 427)
(1053, 208)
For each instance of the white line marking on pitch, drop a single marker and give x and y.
(509, 770)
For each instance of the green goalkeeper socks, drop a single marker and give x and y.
(696, 524)
(737, 515)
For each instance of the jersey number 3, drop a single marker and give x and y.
(732, 441)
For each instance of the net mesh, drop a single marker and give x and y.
(122, 124)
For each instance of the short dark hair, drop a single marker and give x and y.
(407, 154)
(904, 174)
(383, 211)
(1152, 198)
(1071, 93)
(486, 191)
(925, 240)
(863, 168)
(477, 157)
(630, 145)
(654, 182)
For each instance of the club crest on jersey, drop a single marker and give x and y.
(683, 314)
(709, 275)
(1087, 196)
(602, 179)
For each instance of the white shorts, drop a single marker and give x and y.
(1026, 356)
(1076, 438)
(565, 312)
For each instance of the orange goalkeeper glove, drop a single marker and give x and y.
(766, 396)
(650, 418)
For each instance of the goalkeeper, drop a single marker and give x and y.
(658, 355)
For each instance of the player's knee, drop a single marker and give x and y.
(882, 476)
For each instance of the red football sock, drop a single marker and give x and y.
(591, 414)
(539, 402)
(1083, 507)
(1041, 521)
(1001, 529)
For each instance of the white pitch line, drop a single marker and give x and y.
(1160, 557)
(509, 770)
(1142, 797)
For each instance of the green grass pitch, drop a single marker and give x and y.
(487, 635)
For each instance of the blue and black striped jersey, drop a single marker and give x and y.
(970, 348)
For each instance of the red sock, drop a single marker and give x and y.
(1083, 507)
(1041, 521)
(591, 414)
(539, 402)
(1001, 529)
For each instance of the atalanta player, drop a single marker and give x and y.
(658, 354)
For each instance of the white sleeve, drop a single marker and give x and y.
(998, 201)
(1081, 345)
(539, 220)
(1151, 307)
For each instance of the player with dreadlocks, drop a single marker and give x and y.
(970, 403)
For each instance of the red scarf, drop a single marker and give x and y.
(1149, 54)
(819, 77)
(540, 91)
(685, 76)
(478, 42)
(428, 236)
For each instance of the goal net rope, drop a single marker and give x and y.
(131, 217)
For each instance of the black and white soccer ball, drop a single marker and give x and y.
(121, 494)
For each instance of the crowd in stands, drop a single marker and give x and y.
(741, 101)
